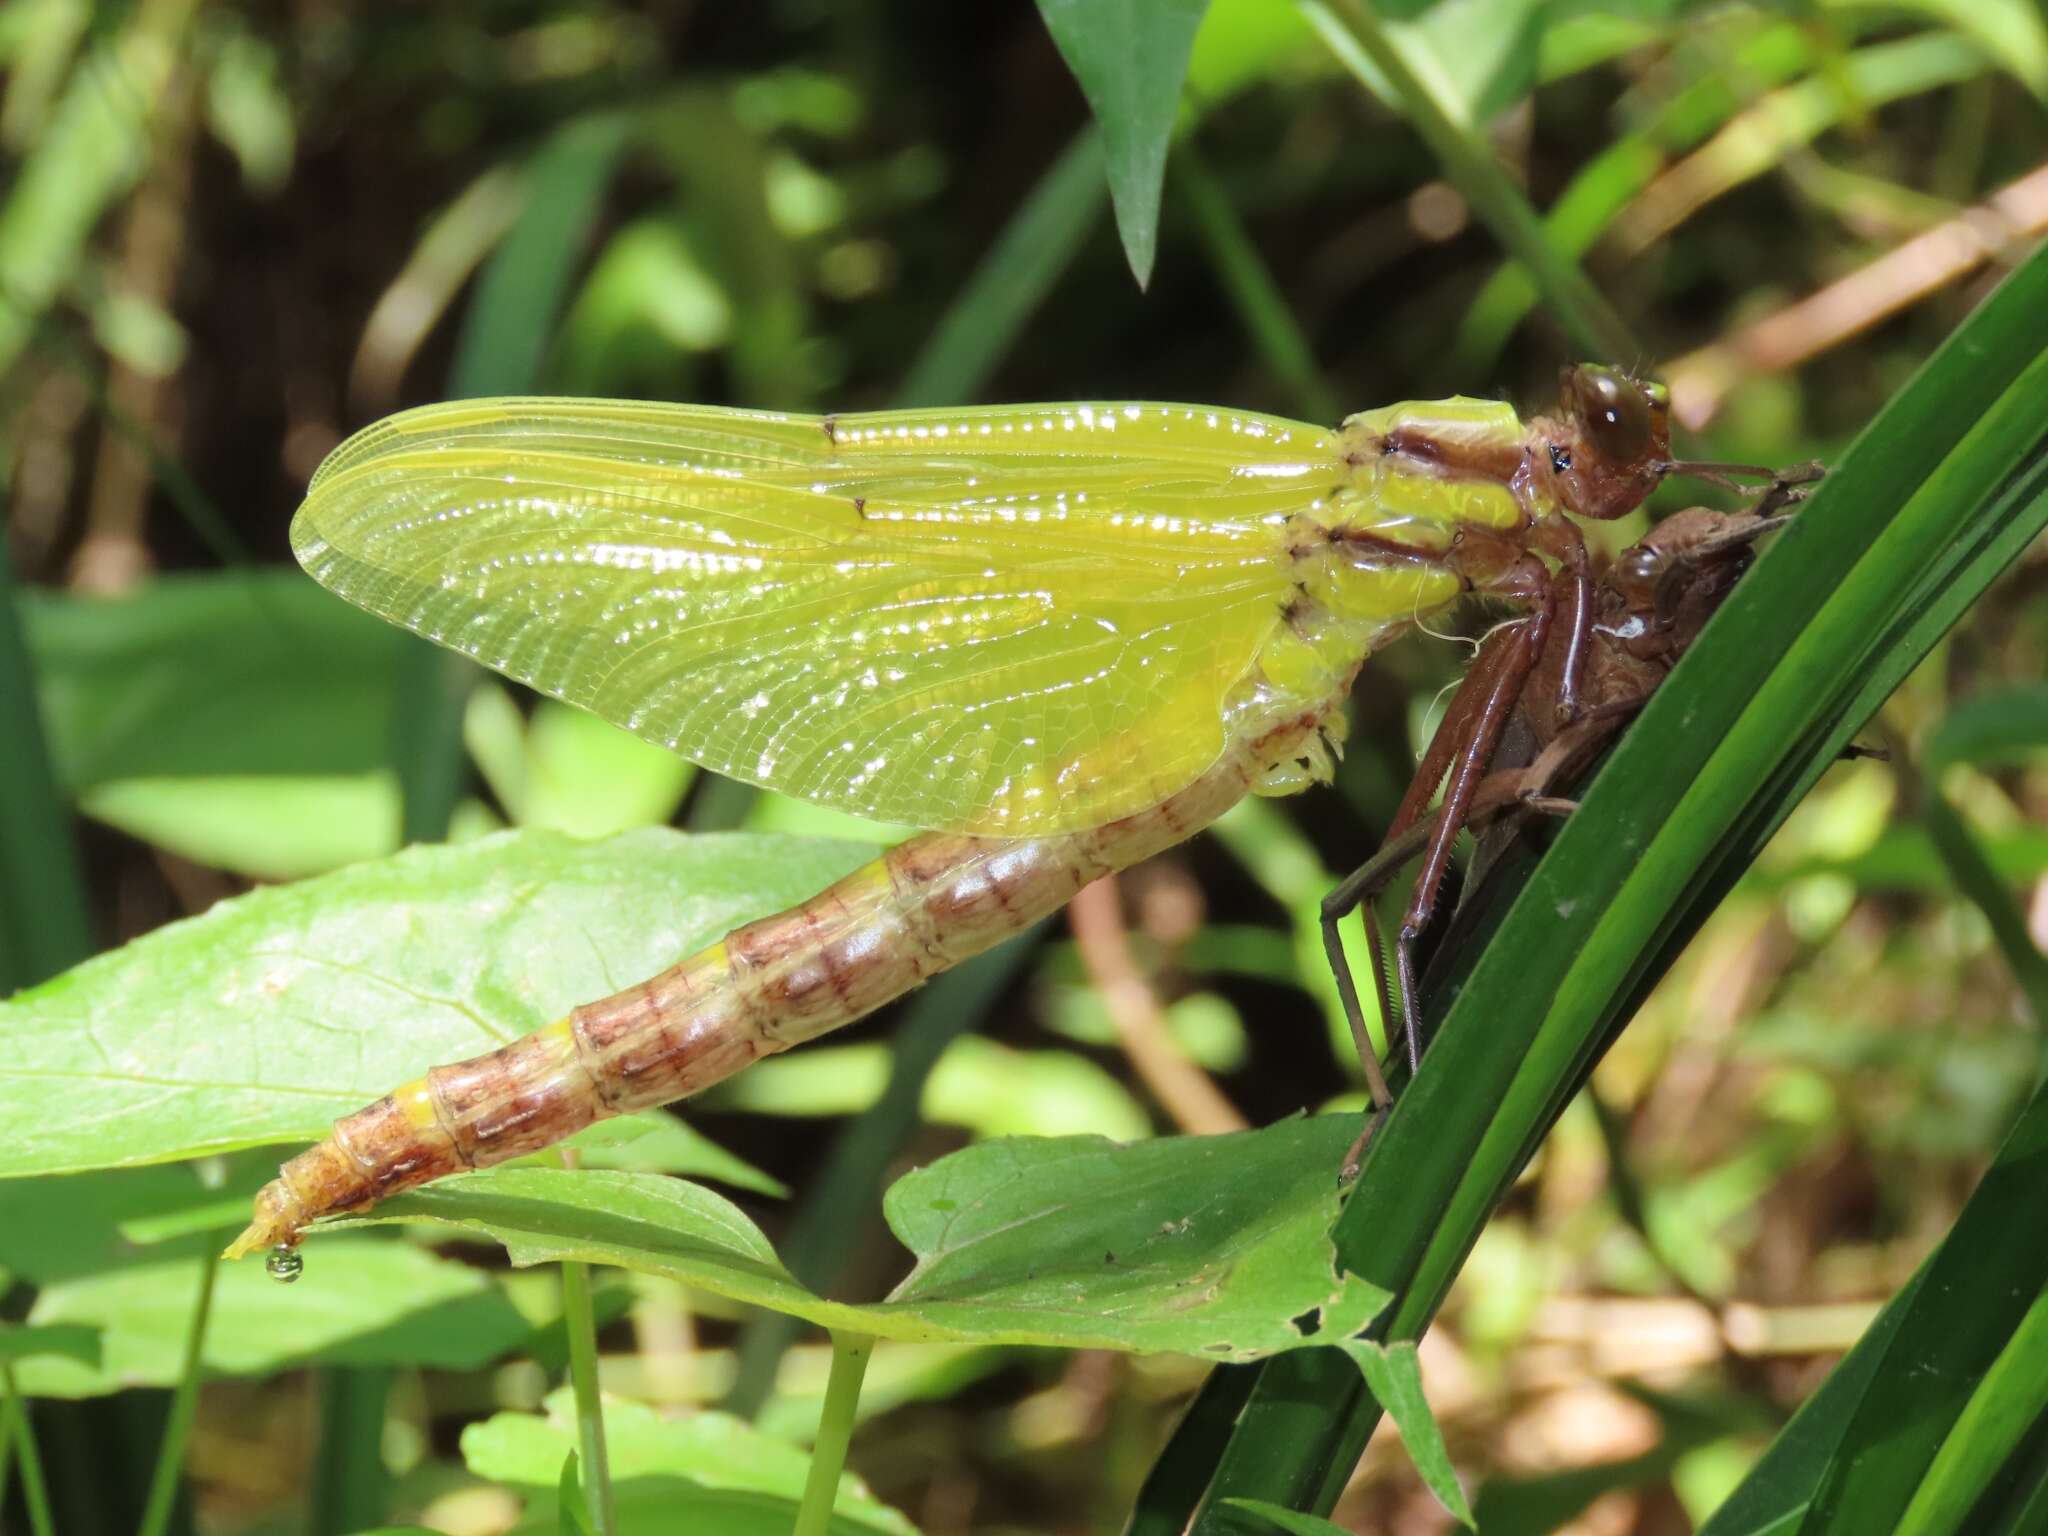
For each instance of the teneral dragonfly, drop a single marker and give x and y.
(1062, 637)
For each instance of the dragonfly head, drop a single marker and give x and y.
(1611, 443)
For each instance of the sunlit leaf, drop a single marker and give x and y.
(264, 1019)
(1213, 1246)
(1131, 57)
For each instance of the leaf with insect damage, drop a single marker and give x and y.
(1215, 1246)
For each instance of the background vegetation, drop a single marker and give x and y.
(228, 236)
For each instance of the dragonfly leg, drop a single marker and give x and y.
(1520, 644)
(1464, 740)
(1558, 537)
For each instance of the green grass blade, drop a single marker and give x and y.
(1900, 538)
(501, 350)
(170, 1461)
(1355, 35)
(1177, 1480)
(2012, 1395)
(1779, 1488)
(1980, 1297)
(43, 925)
(520, 291)
(1260, 306)
(1013, 279)
(18, 1447)
(350, 1485)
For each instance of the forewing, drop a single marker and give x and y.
(1010, 621)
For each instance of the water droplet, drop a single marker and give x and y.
(285, 1264)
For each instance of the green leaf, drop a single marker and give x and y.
(63, 1228)
(374, 1303)
(1993, 1424)
(1979, 1299)
(570, 1506)
(1241, 42)
(43, 925)
(1035, 247)
(990, 1089)
(1214, 1246)
(265, 1018)
(1395, 1375)
(657, 1142)
(286, 827)
(717, 1468)
(1996, 727)
(590, 779)
(1478, 57)
(237, 672)
(73, 1341)
(520, 290)
(1131, 57)
(1282, 1519)
(1939, 493)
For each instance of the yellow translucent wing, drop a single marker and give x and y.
(1013, 621)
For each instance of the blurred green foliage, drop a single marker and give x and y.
(229, 235)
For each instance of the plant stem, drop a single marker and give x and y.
(850, 1353)
(350, 1483)
(170, 1457)
(17, 1433)
(1357, 37)
(580, 1323)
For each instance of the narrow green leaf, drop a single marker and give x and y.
(718, 1473)
(1131, 57)
(1395, 1375)
(368, 1303)
(1943, 489)
(2005, 1406)
(520, 290)
(1980, 1294)
(1976, 879)
(1996, 727)
(571, 1508)
(1261, 307)
(265, 827)
(265, 1018)
(42, 897)
(74, 1341)
(235, 672)
(1035, 247)
(1213, 1246)
(1281, 1518)
(351, 1486)
(1364, 46)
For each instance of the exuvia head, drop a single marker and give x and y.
(1612, 443)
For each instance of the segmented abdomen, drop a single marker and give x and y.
(890, 925)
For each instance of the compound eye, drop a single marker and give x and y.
(1614, 412)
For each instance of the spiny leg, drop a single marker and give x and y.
(1525, 644)
(1489, 689)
